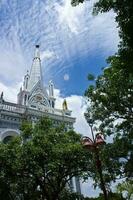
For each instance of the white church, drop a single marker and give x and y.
(33, 101)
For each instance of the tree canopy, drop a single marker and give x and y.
(41, 162)
(111, 95)
(126, 187)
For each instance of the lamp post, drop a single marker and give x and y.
(93, 144)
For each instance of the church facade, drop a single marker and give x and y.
(33, 102)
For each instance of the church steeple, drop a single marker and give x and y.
(33, 93)
(35, 73)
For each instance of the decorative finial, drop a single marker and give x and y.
(64, 105)
(1, 97)
(51, 88)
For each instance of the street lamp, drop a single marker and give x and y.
(93, 144)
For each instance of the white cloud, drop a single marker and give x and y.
(10, 92)
(76, 104)
(70, 15)
(47, 55)
(12, 61)
(93, 33)
(103, 33)
(65, 34)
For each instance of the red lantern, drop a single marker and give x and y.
(99, 139)
(87, 142)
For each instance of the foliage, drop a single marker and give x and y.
(126, 187)
(91, 77)
(40, 163)
(76, 2)
(68, 195)
(111, 107)
(111, 96)
(111, 196)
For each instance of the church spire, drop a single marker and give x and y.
(35, 73)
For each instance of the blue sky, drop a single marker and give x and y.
(72, 42)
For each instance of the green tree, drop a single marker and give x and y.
(126, 187)
(68, 195)
(40, 163)
(111, 95)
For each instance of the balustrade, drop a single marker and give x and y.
(20, 109)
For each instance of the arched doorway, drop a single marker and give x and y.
(7, 135)
(7, 139)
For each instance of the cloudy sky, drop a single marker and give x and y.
(72, 42)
